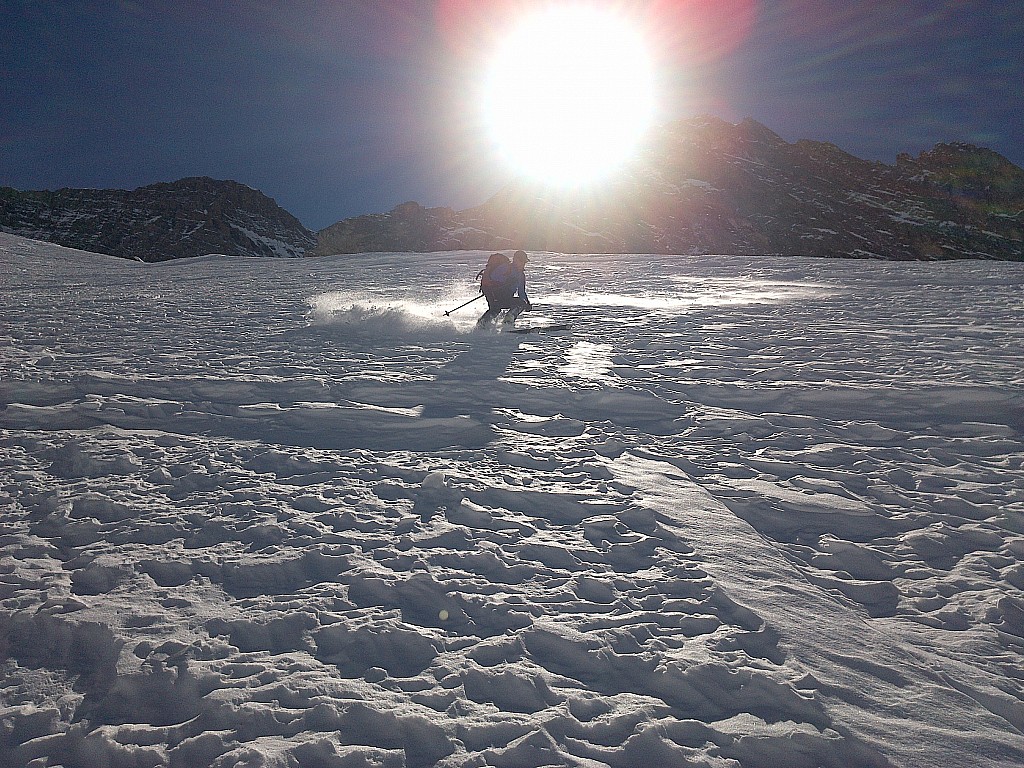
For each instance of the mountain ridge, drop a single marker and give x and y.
(699, 186)
(708, 186)
(193, 216)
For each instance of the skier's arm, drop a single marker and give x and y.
(521, 288)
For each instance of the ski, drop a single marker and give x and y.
(539, 329)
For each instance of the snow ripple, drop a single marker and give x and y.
(242, 526)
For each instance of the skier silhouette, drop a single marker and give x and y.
(503, 284)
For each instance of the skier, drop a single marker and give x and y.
(503, 284)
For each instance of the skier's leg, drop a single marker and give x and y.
(487, 318)
(518, 306)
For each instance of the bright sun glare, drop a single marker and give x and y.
(569, 94)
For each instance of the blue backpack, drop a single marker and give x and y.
(497, 275)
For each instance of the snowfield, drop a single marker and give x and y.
(757, 512)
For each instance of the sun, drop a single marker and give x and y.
(569, 94)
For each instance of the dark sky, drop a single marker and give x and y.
(342, 107)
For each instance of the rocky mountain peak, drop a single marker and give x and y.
(704, 185)
(753, 130)
(972, 177)
(701, 185)
(189, 217)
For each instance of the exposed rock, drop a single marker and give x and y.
(700, 186)
(190, 217)
(708, 186)
(407, 227)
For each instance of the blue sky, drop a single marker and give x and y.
(342, 108)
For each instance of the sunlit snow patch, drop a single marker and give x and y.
(589, 361)
(688, 293)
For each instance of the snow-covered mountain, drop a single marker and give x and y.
(708, 186)
(700, 186)
(189, 217)
(747, 512)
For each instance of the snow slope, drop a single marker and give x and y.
(748, 512)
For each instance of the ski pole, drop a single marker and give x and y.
(463, 305)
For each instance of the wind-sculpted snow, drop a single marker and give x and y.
(745, 512)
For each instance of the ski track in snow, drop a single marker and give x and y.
(747, 512)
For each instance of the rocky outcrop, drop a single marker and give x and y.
(708, 186)
(407, 227)
(700, 186)
(190, 217)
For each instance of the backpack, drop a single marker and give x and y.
(496, 274)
